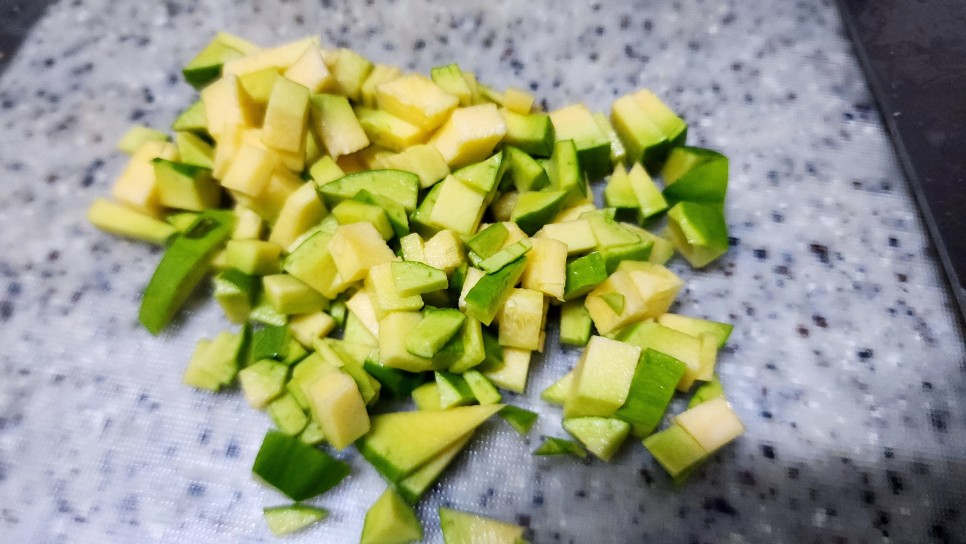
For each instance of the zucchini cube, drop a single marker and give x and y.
(602, 378)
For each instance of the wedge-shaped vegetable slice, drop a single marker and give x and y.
(602, 436)
(400, 443)
(520, 419)
(298, 470)
(413, 487)
(559, 390)
(552, 445)
(482, 388)
(650, 201)
(465, 528)
(534, 209)
(390, 521)
(285, 520)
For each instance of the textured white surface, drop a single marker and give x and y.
(846, 364)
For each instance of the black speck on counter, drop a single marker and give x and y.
(232, 449)
(196, 489)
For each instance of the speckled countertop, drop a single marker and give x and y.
(847, 363)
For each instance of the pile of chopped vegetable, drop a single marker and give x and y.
(375, 234)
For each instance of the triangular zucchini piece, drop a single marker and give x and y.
(390, 520)
(401, 442)
(413, 487)
(465, 528)
(284, 520)
(601, 435)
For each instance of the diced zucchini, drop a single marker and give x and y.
(463, 527)
(310, 71)
(698, 231)
(602, 378)
(487, 296)
(681, 346)
(484, 391)
(652, 388)
(522, 319)
(437, 327)
(469, 135)
(525, 173)
(285, 520)
(425, 434)
(356, 248)
(511, 374)
(279, 57)
(214, 363)
(390, 521)
(228, 104)
(533, 133)
(565, 173)
(396, 185)
(337, 406)
(262, 381)
(205, 67)
(417, 100)
(336, 125)
(287, 415)
(298, 470)
(518, 418)
(118, 219)
(602, 436)
(560, 446)
(559, 391)
(450, 79)
(576, 123)
(453, 390)
(350, 71)
(182, 268)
